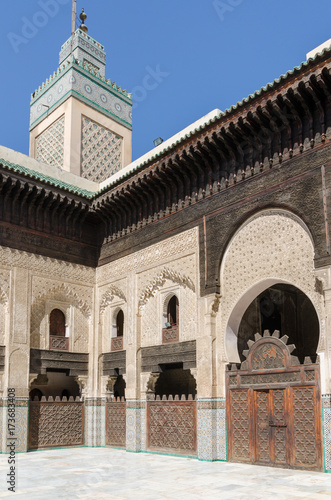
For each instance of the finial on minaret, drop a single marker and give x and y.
(83, 17)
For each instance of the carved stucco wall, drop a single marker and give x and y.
(157, 254)
(101, 151)
(112, 298)
(74, 295)
(68, 285)
(151, 332)
(4, 303)
(169, 265)
(273, 246)
(50, 144)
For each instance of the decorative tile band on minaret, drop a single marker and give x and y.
(76, 94)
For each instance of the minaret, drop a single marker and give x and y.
(79, 120)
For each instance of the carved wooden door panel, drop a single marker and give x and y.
(262, 429)
(274, 407)
(270, 427)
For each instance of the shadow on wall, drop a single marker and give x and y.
(285, 308)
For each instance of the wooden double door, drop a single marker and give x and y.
(271, 427)
(274, 409)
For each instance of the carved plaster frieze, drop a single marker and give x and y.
(158, 282)
(108, 297)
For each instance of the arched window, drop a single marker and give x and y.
(172, 311)
(119, 323)
(57, 323)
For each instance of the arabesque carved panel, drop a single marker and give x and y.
(171, 426)
(262, 426)
(116, 424)
(268, 356)
(55, 424)
(240, 425)
(304, 425)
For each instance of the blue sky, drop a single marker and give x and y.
(208, 54)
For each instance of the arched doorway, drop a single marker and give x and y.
(285, 308)
(273, 394)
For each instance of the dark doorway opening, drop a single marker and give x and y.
(287, 309)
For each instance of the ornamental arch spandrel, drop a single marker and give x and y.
(268, 270)
(272, 247)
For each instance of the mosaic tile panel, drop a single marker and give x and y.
(21, 426)
(50, 144)
(136, 426)
(326, 409)
(221, 445)
(83, 44)
(95, 422)
(211, 424)
(206, 449)
(101, 151)
(74, 82)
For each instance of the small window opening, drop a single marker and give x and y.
(172, 311)
(119, 323)
(57, 323)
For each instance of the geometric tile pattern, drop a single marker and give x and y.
(95, 422)
(101, 151)
(211, 425)
(136, 426)
(77, 82)
(327, 437)
(221, 445)
(21, 426)
(50, 144)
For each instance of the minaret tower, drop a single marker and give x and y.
(79, 120)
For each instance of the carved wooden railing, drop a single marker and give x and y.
(56, 423)
(59, 343)
(172, 425)
(116, 422)
(170, 334)
(117, 344)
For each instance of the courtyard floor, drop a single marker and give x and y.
(104, 473)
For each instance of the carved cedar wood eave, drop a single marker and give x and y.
(47, 221)
(274, 408)
(287, 121)
(294, 116)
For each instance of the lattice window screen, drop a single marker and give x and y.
(50, 144)
(101, 151)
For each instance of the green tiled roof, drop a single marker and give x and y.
(13, 167)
